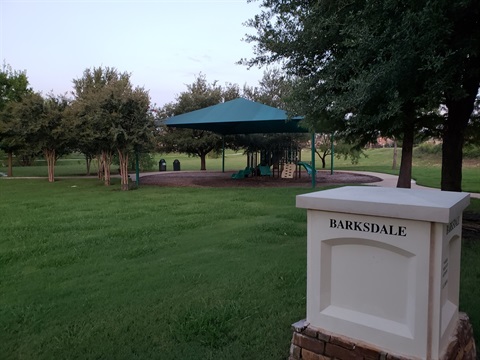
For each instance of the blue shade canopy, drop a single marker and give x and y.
(239, 116)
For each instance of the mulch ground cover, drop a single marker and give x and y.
(214, 179)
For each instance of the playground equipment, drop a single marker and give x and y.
(242, 174)
(307, 167)
(283, 161)
(288, 171)
(264, 170)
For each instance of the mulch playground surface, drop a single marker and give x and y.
(215, 179)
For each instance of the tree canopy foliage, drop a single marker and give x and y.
(110, 116)
(41, 125)
(272, 90)
(200, 94)
(13, 87)
(366, 68)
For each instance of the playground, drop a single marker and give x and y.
(214, 179)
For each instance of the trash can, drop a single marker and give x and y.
(176, 165)
(162, 165)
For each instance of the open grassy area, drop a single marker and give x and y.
(91, 272)
(426, 169)
(74, 164)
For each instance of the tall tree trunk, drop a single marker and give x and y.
(10, 164)
(405, 174)
(107, 161)
(123, 159)
(101, 174)
(203, 162)
(50, 157)
(459, 112)
(322, 158)
(395, 151)
(88, 162)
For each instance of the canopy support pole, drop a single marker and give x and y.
(223, 153)
(314, 171)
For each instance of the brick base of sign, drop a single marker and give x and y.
(311, 343)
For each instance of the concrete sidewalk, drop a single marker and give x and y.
(389, 180)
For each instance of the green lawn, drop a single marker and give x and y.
(426, 169)
(74, 165)
(91, 272)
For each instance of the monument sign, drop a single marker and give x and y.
(383, 266)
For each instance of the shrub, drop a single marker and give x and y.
(428, 149)
(471, 151)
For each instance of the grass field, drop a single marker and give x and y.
(426, 168)
(91, 272)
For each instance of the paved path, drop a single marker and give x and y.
(391, 181)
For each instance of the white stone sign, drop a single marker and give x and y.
(383, 266)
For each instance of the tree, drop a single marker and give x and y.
(472, 135)
(91, 123)
(273, 90)
(13, 86)
(111, 116)
(132, 127)
(42, 124)
(200, 94)
(460, 79)
(323, 148)
(366, 69)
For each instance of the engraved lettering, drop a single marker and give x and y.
(348, 225)
(357, 226)
(333, 223)
(383, 230)
(366, 227)
(452, 225)
(371, 227)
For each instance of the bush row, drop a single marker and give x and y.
(469, 151)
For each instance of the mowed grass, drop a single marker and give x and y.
(91, 272)
(74, 164)
(156, 273)
(426, 168)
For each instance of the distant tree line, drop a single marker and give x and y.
(107, 115)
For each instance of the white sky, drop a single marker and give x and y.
(163, 44)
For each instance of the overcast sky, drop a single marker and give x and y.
(163, 44)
